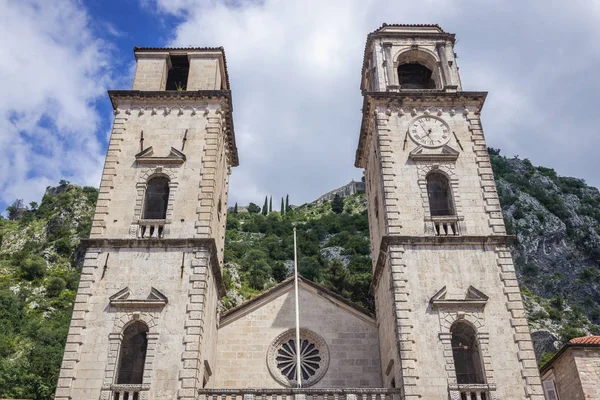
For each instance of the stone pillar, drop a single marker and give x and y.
(151, 71)
(446, 76)
(389, 65)
(205, 71)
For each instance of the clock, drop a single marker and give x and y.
(429, 131)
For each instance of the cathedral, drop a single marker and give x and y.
(449, 321)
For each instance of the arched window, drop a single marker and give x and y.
(438, 191)
(157, 198)
(465, 351)
(415, 76)
(133, 354)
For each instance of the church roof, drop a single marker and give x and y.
(283, 285)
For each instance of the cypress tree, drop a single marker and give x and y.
(235, 209)
(337, 205)
(282, 209)
(287, 203)
(265, 209)
(270, 204)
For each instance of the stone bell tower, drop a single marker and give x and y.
(450, 315)
(145, 317)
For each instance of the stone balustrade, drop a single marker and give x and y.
(299, 394)
(129, 392)
(445, 226)
(472, 392)
(151, 228)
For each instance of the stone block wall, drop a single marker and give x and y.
(197, 186)
(244, 341)
(588, 366)
(91, 354)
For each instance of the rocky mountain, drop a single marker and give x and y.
(556, 221)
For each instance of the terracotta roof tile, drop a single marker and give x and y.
(586, 340)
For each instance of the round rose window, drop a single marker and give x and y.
(282, 359)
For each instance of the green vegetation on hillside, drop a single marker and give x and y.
(39, 274)
(333, 249)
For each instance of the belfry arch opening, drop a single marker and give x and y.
(132, 355)
(439, 194)
(466, 355)
(418, 70)
(415, 76)
(156, 198)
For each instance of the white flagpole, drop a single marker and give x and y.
(298, 356)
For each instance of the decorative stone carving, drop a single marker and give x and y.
(281, 358)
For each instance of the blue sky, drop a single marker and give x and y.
(294, 68)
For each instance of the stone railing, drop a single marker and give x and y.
(151, 228)
(445, 226)
(129, 392)
(299, 394)
(472, 392)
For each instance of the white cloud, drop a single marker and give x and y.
(295, 69)
(53, 70)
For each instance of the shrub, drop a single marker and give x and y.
(54, 286)
(33, 267)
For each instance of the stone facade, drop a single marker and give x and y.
(246, 335)
(430, 271)
(417, 255)
(164, 274)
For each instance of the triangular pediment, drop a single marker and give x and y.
(474, 294)
(444, 153)
(122, 299)
(155, 294)
(122, 294)
(288, 285)
(147, 152)
(147, 156)
(473, 297)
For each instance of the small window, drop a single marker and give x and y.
(178, 74)
(550, 389)
(438, 191)
(465, 351)
(415, 76)
(133, 354)
(157, 198)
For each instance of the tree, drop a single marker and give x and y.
(253, 208)
(271, 204)
(265, 209)
(287, 203)
(337, 205)
(33, 206)
(16, 210)
(309, 268)
(282, 209)
(63, 182)
(235, 210)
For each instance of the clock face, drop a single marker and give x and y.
(429, 131)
